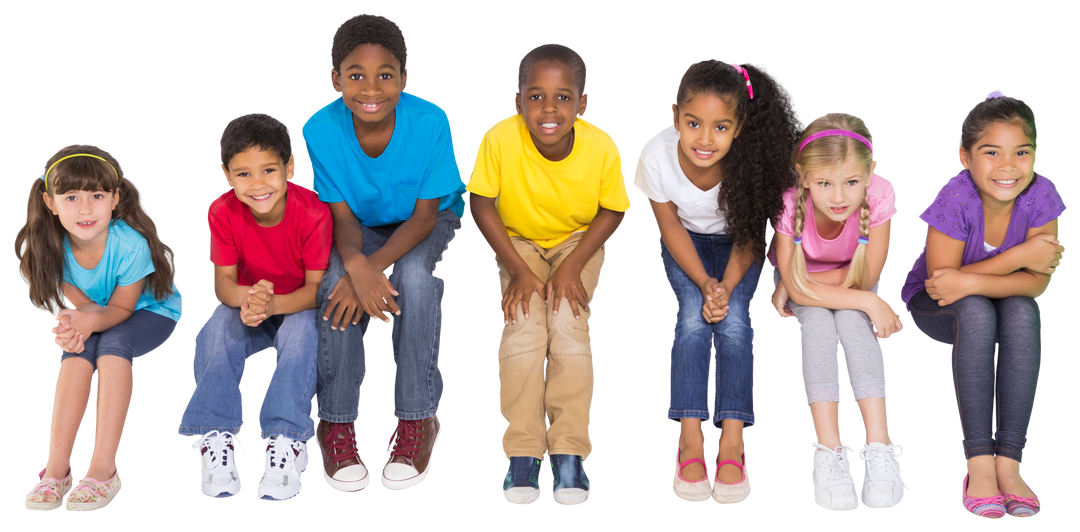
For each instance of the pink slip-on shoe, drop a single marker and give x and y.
(91, 494)
(1021, 506)
(727, 493)
(49, 493)
(691, 490)
(992, 507)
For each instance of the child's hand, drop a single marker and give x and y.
(374, 291)
(780, 299)
(520, 290)
(947, 286)
(713, 313)
(715, 292)
(67, 337)
(1043, 253)
(566, 282)
(344, 305)
(881, 314)
(258, 305)
(76, 320)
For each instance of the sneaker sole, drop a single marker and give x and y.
(522, 495)
(347, 485)
(87, 506)
(571, 496)
(828, 507)
(411, 481)
(890, 505)
(45, 505)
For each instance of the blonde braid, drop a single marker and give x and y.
(859, 269)
(800, 279)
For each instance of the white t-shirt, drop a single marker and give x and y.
(661, 178)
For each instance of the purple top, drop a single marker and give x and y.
(957, 212)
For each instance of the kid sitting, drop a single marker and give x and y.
(384, 162)
(547, 192)
(270, 242)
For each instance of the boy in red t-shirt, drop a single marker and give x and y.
(270, 245)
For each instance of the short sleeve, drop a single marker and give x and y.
(135, 264)
(882, 205)
(315, 247)
(223, 250)
(612, 188)
(648, 180)
(442, 176)
(785, 225)
(954, 208)
(1044, 201)
(486, 176)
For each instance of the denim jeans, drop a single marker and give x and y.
(415, 336)
(138, 335)
(973, 325)
(221, 350)
(733, 338)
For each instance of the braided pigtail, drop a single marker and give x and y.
(858, 275)
(799, 277)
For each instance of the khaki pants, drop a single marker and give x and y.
(566, 392)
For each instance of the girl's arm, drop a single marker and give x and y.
(1040, 252)
(677, 240)
(88, 317)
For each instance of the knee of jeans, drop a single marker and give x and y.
(568, 335)
(300, 326)
(415, 271)
(975, 309)
(223, 318)
(1021, 311)
(690, 320)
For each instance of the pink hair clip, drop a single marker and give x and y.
(746, 75)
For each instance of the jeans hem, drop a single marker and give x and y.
(333, 418)
(199, 431)
(676, 415)
(747, 419)
(267, 434)
(414, 416)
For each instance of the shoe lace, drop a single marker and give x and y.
(406, 439)
(838, 468)
(282, 451)
(219, 445)
(341, 442)
(877, 460)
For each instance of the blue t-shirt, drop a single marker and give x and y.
(417, 164)
(126, 260)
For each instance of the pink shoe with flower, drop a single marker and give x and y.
(1024, 507)
(49, 493)
(91, 494)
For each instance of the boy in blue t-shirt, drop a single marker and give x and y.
(384, 162)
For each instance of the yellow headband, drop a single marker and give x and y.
(46, 176)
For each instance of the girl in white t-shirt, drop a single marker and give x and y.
(829, 250)
(713, 181)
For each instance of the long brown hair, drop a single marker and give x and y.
(40, 243)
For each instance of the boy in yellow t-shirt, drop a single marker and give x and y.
(547, 192)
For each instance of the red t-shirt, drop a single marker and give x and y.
(280, 254)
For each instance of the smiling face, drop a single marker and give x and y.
(370, 81)
(706, 125)
(837, 192)
(1001, 162)
(84, 214)
(260, 180)
(549, 102)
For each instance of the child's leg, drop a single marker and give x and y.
(113, 398)
(1019, 350)
(568, 395)
(866, 369)
(69, 405)
(820, 370)
(286, 410)
(341, 351)
(522, 353)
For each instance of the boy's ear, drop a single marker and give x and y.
(404, 76)
(228, 176)
(581, 107)
(289, 168)
(675, 111)
(517, 102)
(335, 78)
(49, 202)
(965, 158)
(225, 175)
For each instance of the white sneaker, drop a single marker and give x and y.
(882, 485)
(286, 458)
(219, 475)
(833, 487)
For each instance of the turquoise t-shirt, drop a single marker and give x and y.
(417, 164)
(126, 260)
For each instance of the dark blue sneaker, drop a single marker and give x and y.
(571, 484)
(522, 484)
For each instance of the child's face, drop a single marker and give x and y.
(706, 126)
(838, 192)
(260, 179)
(370, 82)
(84, 214)
(549, 102)
(1002, 162)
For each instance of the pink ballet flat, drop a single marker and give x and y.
(731, 492)
(1021, 506)
(691, 490)
(49, 493)
(992, 507)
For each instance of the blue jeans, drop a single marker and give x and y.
(975, 325)
(733, 338)
(138, 335)
(415, 336)
(221, 349)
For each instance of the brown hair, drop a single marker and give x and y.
(40, 243)
(822, 153)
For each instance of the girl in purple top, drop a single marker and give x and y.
(990, 250)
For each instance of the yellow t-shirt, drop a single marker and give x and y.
(547, 201)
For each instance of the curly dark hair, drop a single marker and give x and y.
(757, 169)
(367, 29)
(553, 52)
(259, 130)
(996, 108)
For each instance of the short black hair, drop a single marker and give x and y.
(996, 108)
(367, 29)
(553, 52)
(259, 130)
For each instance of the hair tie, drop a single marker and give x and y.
(836, 133)
(798, 240)
(746, 75)
(996, 92)
(864, 240)
(46, 176)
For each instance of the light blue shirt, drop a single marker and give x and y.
(126, 260)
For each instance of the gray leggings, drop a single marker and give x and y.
(822, 328)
